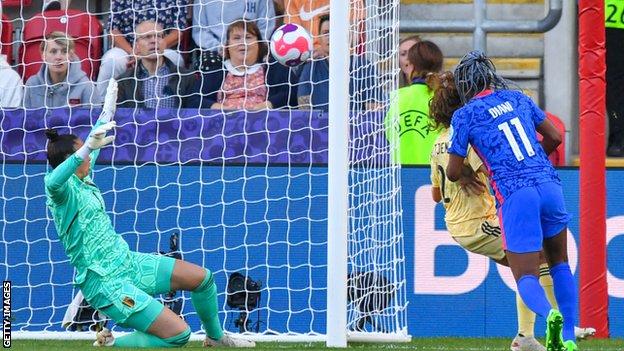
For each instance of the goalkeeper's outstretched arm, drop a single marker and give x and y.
(67, 153)
(108, 112)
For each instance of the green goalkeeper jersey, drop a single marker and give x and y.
(83, 226)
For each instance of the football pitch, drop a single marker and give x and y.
(421, 344)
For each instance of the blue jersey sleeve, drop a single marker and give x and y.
(459, 135)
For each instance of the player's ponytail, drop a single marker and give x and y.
(445, 100)
(59, 146)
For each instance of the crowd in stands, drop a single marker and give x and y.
(313, 90)
(226, 66)
(224, 63)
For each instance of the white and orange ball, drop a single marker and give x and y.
(291, 45)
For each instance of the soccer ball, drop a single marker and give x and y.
(291, 45)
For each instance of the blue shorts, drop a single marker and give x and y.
(531, 215)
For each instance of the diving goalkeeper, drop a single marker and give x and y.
(114, 280)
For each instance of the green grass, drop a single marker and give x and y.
(434, 344)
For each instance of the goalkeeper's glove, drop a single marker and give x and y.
(97, 139)
(110, 102)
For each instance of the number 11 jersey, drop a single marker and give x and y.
(501, 127)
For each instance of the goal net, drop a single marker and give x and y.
(243, 193)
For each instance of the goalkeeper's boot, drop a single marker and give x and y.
(570, 345)
(104, 338)
(554, 327)
(228, 341)
(526, 343)
(583, 333)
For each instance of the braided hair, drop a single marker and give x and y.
(475, 73)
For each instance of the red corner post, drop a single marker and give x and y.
(593, 296)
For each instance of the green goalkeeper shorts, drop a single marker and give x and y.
(129, 289)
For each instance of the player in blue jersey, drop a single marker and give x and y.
(500, 124)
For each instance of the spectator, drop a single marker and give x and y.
(313, 90)
(410, 133)
(406, 68)
(248, 79)
(11, 87)
(211, 18)
(614, 35)
(308, 14)
(280, 11)
(125, 15)
(61, 80)
(155, 81)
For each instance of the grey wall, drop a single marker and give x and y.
(561, 73)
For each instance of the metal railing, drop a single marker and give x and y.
(480, 25)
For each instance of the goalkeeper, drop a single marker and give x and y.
(114, 280)
(472, 220)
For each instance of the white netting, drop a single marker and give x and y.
(245, 191)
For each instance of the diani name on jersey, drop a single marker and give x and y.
(500, 109)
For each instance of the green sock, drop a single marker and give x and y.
(204, 299)
(140, 339)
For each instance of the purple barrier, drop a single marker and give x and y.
(183, 136)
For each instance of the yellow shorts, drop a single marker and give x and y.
(485, 241)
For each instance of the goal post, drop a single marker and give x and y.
(594, 292)
(338, 177)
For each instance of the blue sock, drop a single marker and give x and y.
(565, 293)
(533, 295)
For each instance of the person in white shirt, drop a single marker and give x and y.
(11, 85)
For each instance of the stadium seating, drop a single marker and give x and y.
(7, 38)
(16, 3)
(83, 27)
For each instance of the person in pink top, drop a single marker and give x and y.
(250, 79)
